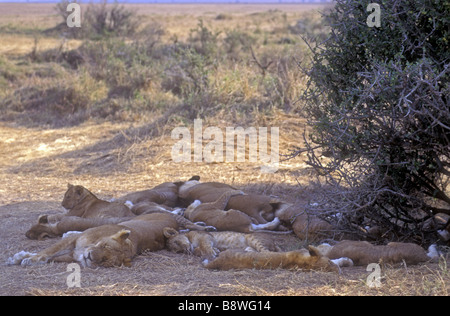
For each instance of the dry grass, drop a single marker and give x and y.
(21, 23)
(34, 183)
(116, 158)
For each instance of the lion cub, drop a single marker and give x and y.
(305, 259)
(207, 245)
(214, 214)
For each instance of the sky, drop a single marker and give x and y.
(180, 1)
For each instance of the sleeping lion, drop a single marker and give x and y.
(106, 245)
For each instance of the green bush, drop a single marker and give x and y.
(99, 19)
(234, 71)
(378, 102)
(66, 103)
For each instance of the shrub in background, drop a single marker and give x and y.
(99, 19)
(378, 103)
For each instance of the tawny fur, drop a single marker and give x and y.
(298, 259)
(311, 227)
(208, 245)
(54, 228)
(45, 228)
(149, 207)
(163, 194)
(363, 252)
(213, 214)
(305, 226)
(80, 202)
(260, 208)
(106, 245)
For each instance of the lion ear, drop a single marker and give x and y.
(314, 252)
(43, 219)
(179, 183)
(122, 235)
(69, 185)
(169, 232)
(79, 190)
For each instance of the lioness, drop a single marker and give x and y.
(46, 228)
(209, 244)
(213, 214)
(363, 252)
(53, 227)
(149, 207)
(310, 259)
(106, 245)
(260, 208)
(80, 202)
(163, 194)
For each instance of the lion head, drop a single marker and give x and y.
(73, 195)
(106, 250)
(41, 230)
(177, 242)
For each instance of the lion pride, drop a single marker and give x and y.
(106, 245)
(213, 214)
(260, 208)
(53, 226)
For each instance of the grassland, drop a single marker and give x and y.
(99, 111)
(242, 59)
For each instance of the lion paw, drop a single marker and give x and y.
(205, 262)
(210, 229)
(19, 257)
(70, 233)
(343, 262)
(128, 204)
(178, 211)
(33, 260)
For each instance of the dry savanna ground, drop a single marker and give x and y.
(114, 155)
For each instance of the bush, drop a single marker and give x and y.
(64, 104)
(207, 71)
(204, 41)
(377, 100)
(100, 19)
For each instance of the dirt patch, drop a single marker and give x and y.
(36, 165)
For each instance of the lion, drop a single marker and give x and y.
(106, 245)
(304, 259)
(362, 252)
(311, 227)
(207, 245)
(48, 227)
(51, 226)
(80, 202)
(213, 214)
(148, 207)
(163, 194)
(262, 209)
